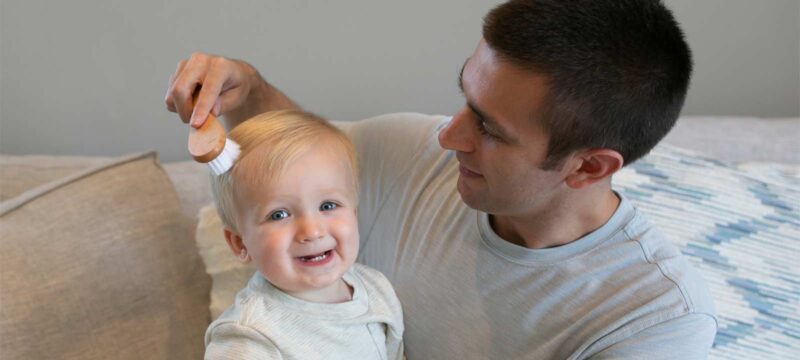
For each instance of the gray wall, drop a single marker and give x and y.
(88, 77)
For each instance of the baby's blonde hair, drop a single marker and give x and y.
(287, 134)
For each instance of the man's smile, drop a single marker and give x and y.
(467, 171)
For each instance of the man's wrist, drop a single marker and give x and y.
(258, 96)
(256, 101)
(261, 97)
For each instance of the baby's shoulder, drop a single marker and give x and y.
(243, 318)
(370, 276)
(384, 305)
(378, 288)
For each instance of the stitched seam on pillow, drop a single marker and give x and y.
(34, 193)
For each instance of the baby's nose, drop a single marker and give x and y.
(310, 229)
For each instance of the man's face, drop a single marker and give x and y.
(497, 139)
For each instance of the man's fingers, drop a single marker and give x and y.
(221, 88)
(234, 89)
(207, 98)
(192, 75)
(168, 99)
(217, 107)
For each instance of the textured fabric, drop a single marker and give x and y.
(98, 265)
(266, 323)
(741, 228)
(22, 172)
(190, 180)
(191, 183)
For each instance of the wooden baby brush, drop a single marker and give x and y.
(208, 144)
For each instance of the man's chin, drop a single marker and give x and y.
(469, 196)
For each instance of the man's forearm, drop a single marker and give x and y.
(262, 97)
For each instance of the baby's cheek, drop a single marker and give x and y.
(346, 231)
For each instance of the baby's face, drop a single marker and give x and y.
(301, 227)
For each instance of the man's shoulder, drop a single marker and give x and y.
(656, 288)
(406, 118)
(395, 152)
(247, 304)
(395, 126)
(674, 267)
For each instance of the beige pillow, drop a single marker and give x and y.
(228, 274)
(22, 172)
(99, 265)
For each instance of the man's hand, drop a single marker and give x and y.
(224, 84)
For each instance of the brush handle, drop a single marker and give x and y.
(207, 141)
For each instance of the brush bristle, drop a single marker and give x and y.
(224, 161)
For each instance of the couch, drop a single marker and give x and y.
(104, 257)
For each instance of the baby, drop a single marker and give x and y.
(289, 205)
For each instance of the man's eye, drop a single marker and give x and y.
(279, 215)
(482, 129)
(328, 206)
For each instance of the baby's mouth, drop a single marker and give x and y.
(316, 257)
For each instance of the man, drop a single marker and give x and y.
(509, 242)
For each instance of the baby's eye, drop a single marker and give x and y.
(328, 206)
(279, 215)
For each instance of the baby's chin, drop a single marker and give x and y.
(322, 281)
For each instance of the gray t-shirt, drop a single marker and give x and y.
(622, 291)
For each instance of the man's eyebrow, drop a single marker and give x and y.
(461, 87)
(492, 125)
(461, 75)
(497, 129)
(480, 113)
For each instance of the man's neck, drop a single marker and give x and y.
(560, 224)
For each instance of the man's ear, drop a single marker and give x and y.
(237, 246)
(591, 166)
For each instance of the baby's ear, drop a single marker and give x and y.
(236, 244)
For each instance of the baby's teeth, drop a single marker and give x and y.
(317, 258)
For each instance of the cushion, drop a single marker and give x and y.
(740, 226)
(97, 265)
(22, 172)
(190, 179)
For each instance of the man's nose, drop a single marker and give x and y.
(457, 135)
(310, 228)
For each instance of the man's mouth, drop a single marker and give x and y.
(467, 172)
(315, 258)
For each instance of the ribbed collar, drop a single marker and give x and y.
(340, 311)
(542, 257)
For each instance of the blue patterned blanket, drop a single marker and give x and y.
(740, 226)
